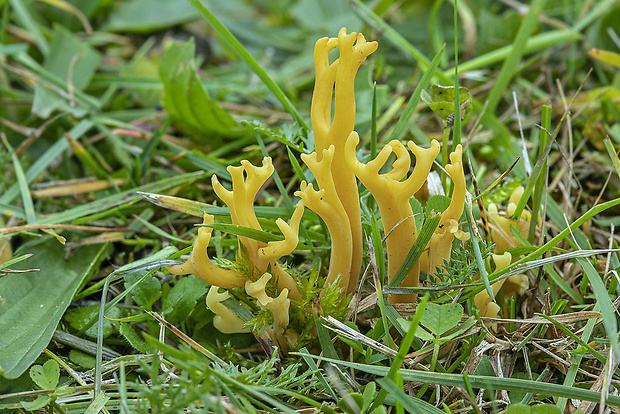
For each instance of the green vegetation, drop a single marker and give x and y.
(114, 116)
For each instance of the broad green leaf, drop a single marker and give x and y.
(69, 59)
(182, 298)
(46, 376)
(35, 302)
(441, 101)
(439, 319)
(82, 359)
(188, 102)
(518, 409)
(145, 293)
(79, 318)
(437, 203)
(546, 409)
(40, 402)
(143, 16)
(355, 398)
(536, 409)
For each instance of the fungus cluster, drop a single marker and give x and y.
(336, 170)
(500, 223)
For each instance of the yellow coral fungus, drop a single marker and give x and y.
(339, 77)
(240, 201)
(440, 245)
(224, 320)
(499, 222)
(335, 200)
(279, 306)
(200, 265)
(326, 203)
(392, 196)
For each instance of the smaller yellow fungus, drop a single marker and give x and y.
(440, 245)
(500, 222)
(482, 299)
(514, 284)
(246, 182)
(200, 265)
(225, 320)
(279, 306)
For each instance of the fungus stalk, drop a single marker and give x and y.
(339, 77)
(326, 203)
(392, 196)
(440, 245)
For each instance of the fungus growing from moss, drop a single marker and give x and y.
(246, 182)
(335, 200)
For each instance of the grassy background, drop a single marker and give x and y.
(101, 100)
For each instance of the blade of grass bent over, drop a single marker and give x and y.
(238, 48)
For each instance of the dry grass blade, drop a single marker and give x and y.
(569, 318)
(61, 189)
(33, 227)
(187, 339)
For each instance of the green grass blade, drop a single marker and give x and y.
(242, 231)
(541, 182)
(31, 216)
(373, 123)
(602, 299)
(480, 381)
(416, 250)
(23, 15)
(401, 125)
(47, 158)
(405, 345)
(326, 343)
(535, 43)
(479, 260)
(456, 129)
(612, 154)
(411, 404)
(238, 48)
(518, 48)
(159, 231)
